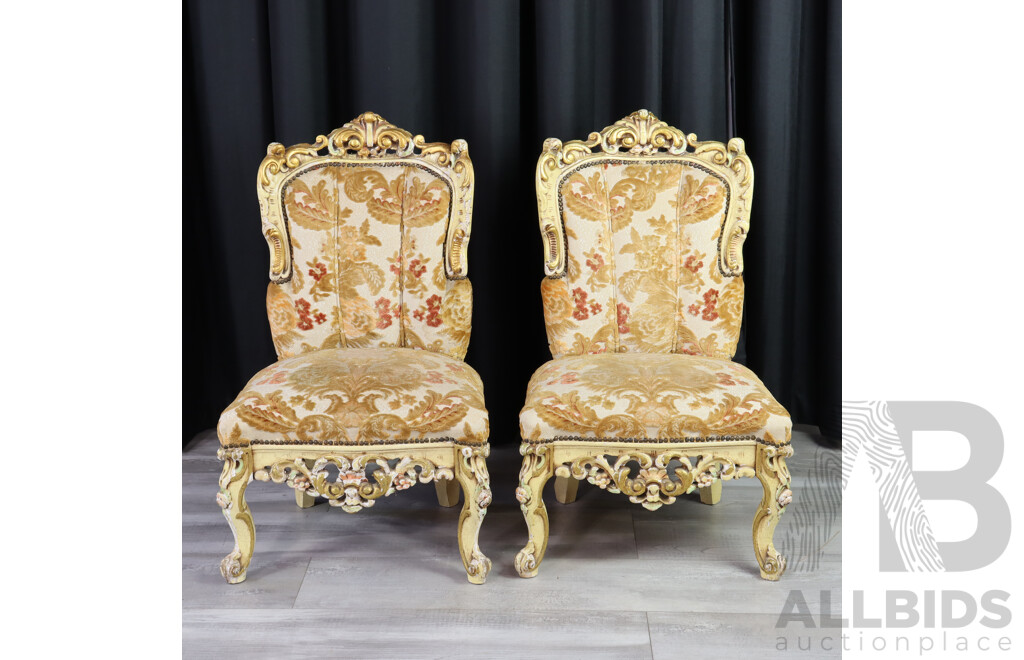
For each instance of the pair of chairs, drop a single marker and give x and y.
(370, 309)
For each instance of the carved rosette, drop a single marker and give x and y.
(775, 479)
(653, 485)
(642, 134)
(367, 138)
(352, 489)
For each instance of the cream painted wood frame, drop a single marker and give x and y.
(364, 472)
(666, 469)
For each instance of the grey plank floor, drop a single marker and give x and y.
(618, 581)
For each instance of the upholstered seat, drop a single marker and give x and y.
(359, 396)
(650, 397)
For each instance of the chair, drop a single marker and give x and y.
(643, 295)
(370, 311)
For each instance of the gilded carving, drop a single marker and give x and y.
(367, 138)
(231, 498)
(656, 482)
(471, 469)
(352, 489)
(536, 470)
(773, 473)
(635, 137)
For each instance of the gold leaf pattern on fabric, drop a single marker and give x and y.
(700, 199)
(425, 203)
(364, 275)
(655, 396)
(642, 263)
(312, 208)
(586, 197)
(383, 198)
(358, 396)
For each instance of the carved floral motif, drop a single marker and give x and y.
(653, 485)
(352, 489)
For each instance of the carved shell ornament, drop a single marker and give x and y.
(637, 136)
(367, 138)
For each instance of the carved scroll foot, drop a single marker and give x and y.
(233, 480)
(711, 494)
(536, 470)
(770, 468)
(566, 489)
(447, 492)
(471, 473)
(302, 498)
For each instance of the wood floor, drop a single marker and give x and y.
(618, 581)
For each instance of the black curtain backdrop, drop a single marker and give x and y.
(506, 75)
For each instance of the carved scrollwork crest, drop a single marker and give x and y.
(657, 482)
(639, 135)
(352, 489)
(367, 138)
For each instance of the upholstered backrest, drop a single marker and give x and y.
(368, 241)
(643, 240)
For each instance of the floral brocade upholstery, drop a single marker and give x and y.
(642, 262)
(368, 268)
(654, 396)
(359, 396)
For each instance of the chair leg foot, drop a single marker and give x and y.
(771, 470)
(447, 492)
(471, 473)
(566, 489)
(711, 494)
(536, 470)
(233, 480)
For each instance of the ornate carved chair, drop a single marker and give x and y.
(370, 313)
(643, 228)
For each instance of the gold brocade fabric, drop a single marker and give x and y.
(650, 396)
(359, 396)
(368, 268)
(643, 273)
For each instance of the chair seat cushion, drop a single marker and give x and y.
(359, 396)
(659, 397)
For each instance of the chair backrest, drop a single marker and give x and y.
(368, 240)
(643, 231)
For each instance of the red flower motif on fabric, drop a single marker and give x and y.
(579, 298)
(318, 271)
(691, 264)
(622, 317)
(417, 268)
(710, 302)
(319, 317)
(708, 312)
(384, 312)
(434, 311)
(595, 262)
(302, 306)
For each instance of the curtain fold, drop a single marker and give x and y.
(504, 76)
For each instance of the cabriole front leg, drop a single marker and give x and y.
(770, 468)
(471, 472)
(233, 480)
(537, 469)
